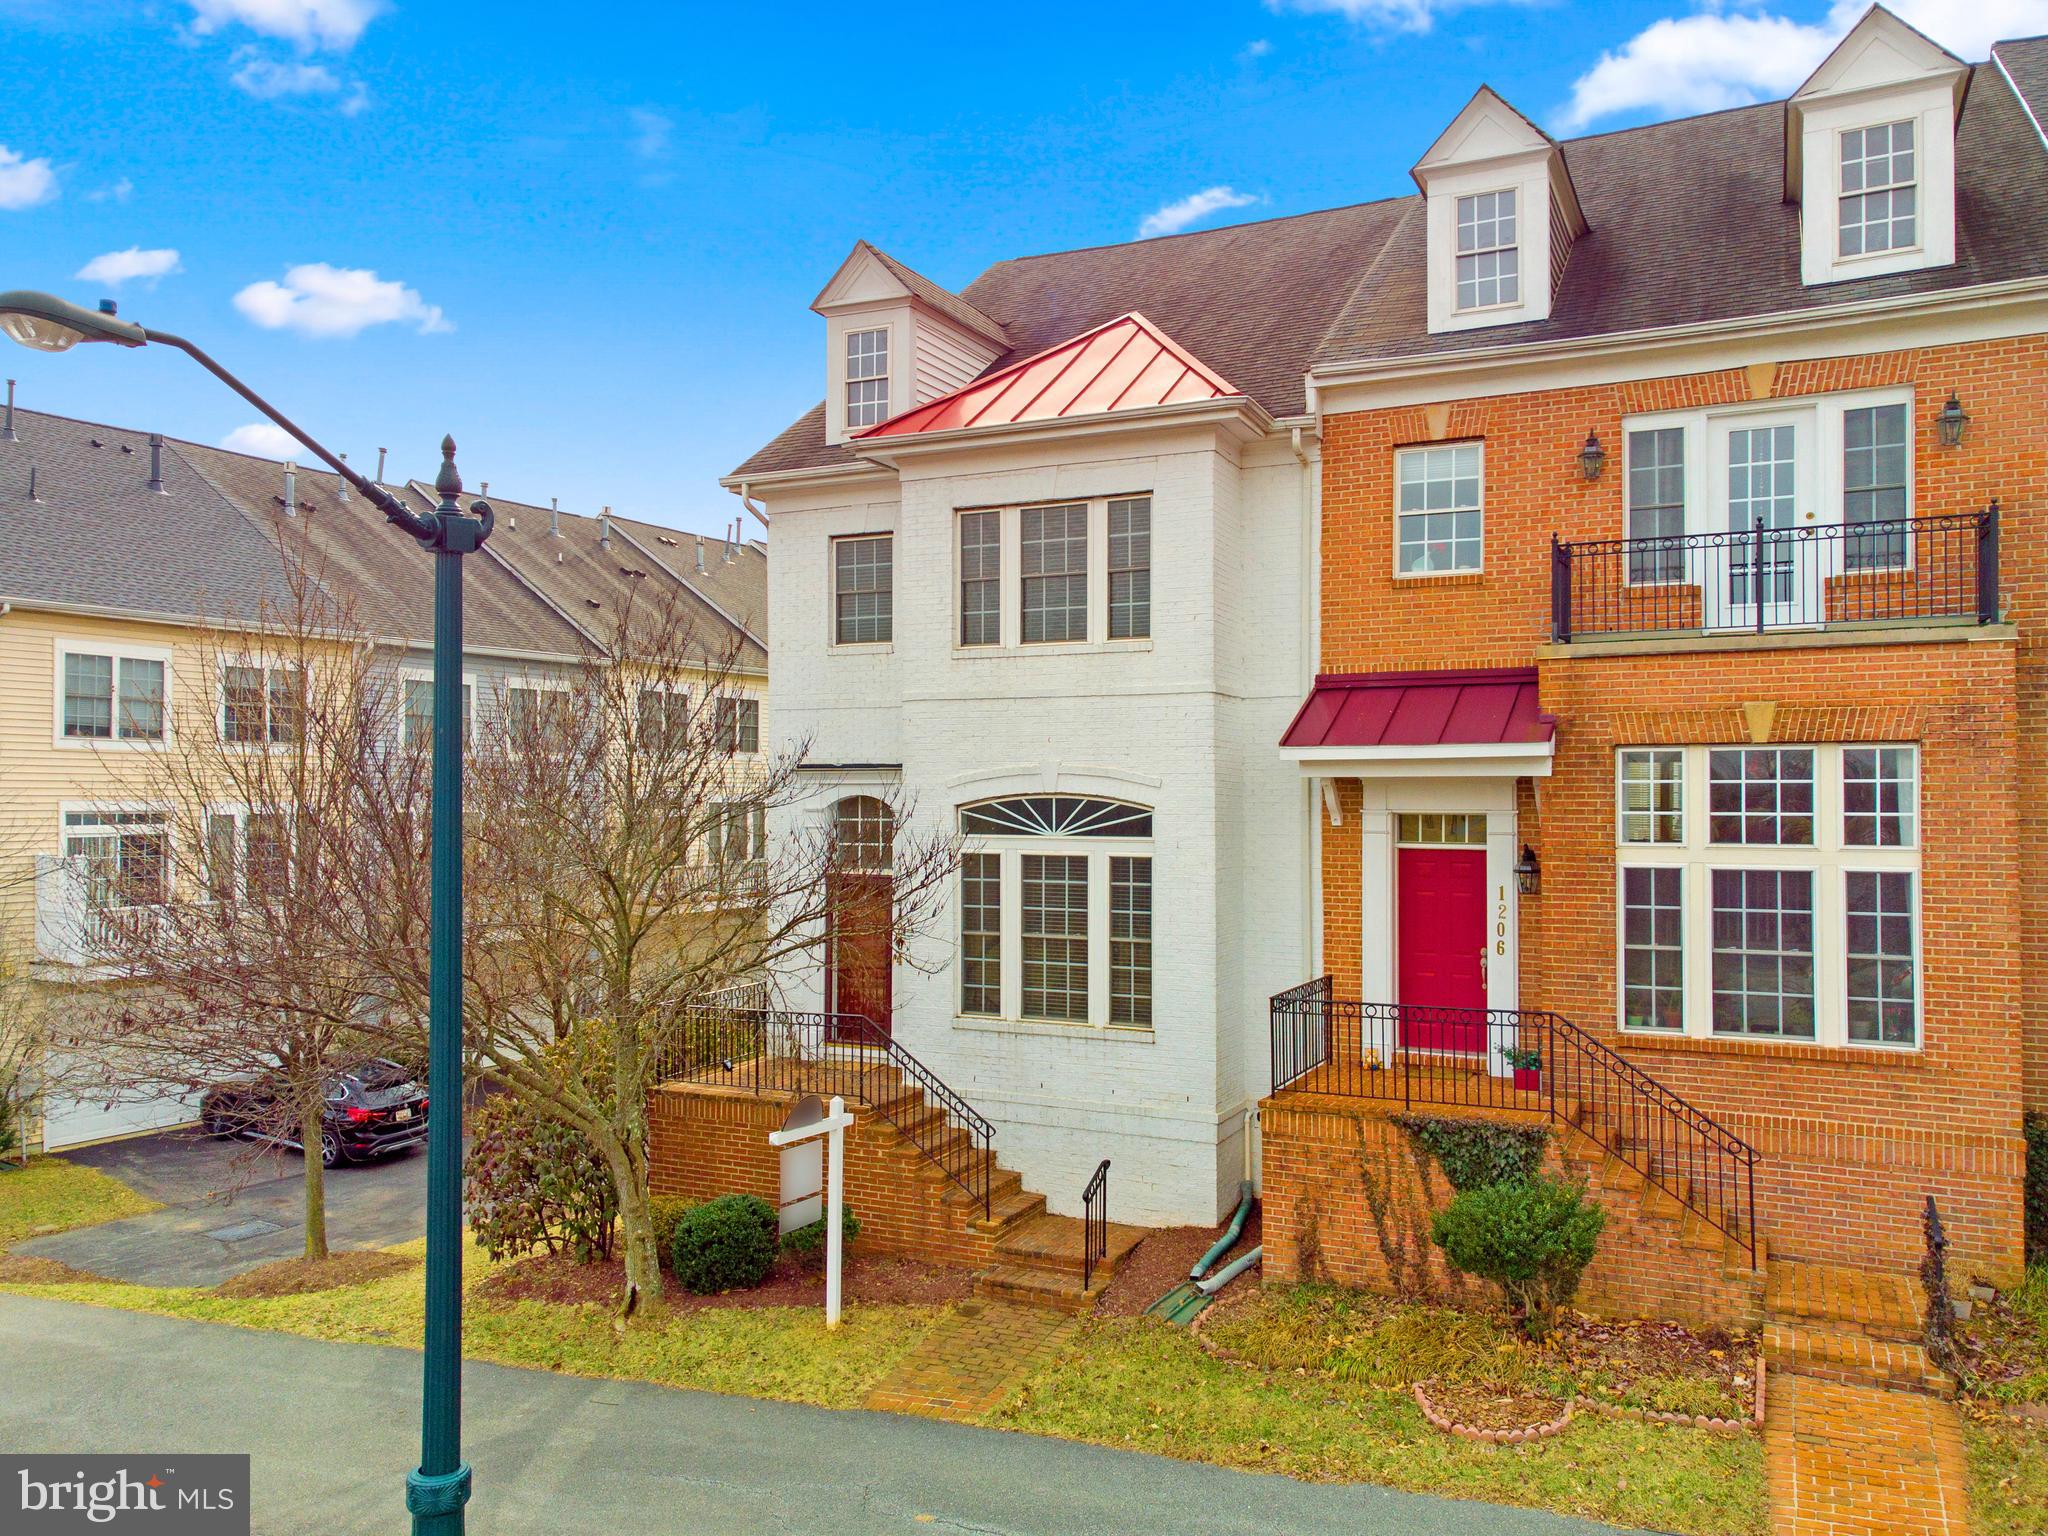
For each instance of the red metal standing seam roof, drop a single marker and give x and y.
(1421, 709)
(1120, 366)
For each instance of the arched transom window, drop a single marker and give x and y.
(1056, 910)
(863, 833)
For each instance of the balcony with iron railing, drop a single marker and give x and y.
(1514, 1062)
(1939, 569)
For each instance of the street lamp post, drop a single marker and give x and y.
(437, 1491)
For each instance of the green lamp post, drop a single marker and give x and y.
(437, 1491)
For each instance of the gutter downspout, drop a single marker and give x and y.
(760, 512)
(1310, 642)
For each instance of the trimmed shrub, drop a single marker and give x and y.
(1533, 1239)
(727, 1244)
(1476, 1153)
(807, 1244)
(663, 1212)
(534, 1184)
(2036, 1125)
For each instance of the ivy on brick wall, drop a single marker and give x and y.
(2037, 1187)
(1476, 1153)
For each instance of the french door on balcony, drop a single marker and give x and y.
(1769, 569)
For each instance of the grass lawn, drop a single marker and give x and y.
(2008, 1477)
(51, 1193)
(1140, 1385)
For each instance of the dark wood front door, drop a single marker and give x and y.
(858, 945)
(1440, 914)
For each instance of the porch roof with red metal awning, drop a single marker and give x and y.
(1469, 721)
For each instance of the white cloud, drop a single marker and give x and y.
(316, 299)
(1257, 48)
(308, 24)
(269, 79)
(1387, 15)
(116, 192)
(264, 439)
(24, 182)
(1192, 209)
(1715, 58)
(652, 132)
(117, 267)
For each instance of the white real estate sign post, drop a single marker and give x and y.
(805, 1122)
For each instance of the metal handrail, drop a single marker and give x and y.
(1431, 1055)
(1893, 570)
(764, 1050)
(1094, 1223)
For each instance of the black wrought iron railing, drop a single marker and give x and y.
(738, 1044)
(1901, 570)
(1519, 1059)
(1094, 1223)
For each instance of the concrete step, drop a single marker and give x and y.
(1033, 1287)
(1836, 1355)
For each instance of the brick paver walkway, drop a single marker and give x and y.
(1846, 1460)
(972, 1360)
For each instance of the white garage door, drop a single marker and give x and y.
(71, 1122)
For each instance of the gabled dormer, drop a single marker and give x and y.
(1870, 154)
(895, 339)
(1502, 217)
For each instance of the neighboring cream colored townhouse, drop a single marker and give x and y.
(122, 549)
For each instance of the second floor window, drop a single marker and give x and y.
(1130, 568)
(739, 725)
(111, 697)
(863, 590)
(1656, 503)
(416, 724)
(981, 578)
(126, 854)
(1438, 517)
(867, 377)
(1879, 206)
(1053, 547)
(260, 704)
(1489, 262)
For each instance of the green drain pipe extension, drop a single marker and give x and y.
(1223, 1244)
(1230, 1271)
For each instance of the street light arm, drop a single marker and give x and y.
(419, 526)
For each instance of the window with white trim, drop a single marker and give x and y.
(863, 589)
(867, 377)
(1489, 259)
(127, 855)
(261, 703)
(1875, 484)
(1787, 910)
(1081, 572)
(739, 725)
(1056, 911)
(416, 723)
(112, 695)
(1053, 543)
(247, 853)
(736, 832)
(981, 578)
(1438, 509)
(1879, 199)
(1656, 502)
(663, 719)
(1130, 568)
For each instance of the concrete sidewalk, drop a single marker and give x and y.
(332, 1428)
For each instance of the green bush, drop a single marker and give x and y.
(534, 1184)
(1476, 1153)
(2036, 1125)
(1532, 1238)
(807, 1244)
(727, 1244)
(663, 1212)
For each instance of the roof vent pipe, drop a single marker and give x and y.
(604, 527)
(342, 481)
(554, 517)
(291, 489)
(156, 463)
(700, 554)
(730, 542)
(7, 432)
(380, 466)
(32, 496)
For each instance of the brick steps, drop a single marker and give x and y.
(1844, 1355)
(1875, 1303)
(1038, 1262)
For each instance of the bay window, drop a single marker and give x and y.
(1787, 909)
(1071, 573)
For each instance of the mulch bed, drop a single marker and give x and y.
(21, 1269)
(1163, 1260)
(1630, 1354)
(296, 1277)
(869, 1279)
(1482, 1407)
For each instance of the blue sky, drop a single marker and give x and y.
(584, 241)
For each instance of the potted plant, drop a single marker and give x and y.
(1527, 1063)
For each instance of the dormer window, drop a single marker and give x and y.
(867, 377)
(1879, 190)
(1489, 269)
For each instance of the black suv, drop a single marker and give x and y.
(371, 1109)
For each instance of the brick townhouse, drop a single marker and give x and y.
(1681, 704)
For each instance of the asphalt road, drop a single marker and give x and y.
(230, 1206)
(332, 1428)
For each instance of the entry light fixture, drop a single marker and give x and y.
(1528, 873)
(1951, 421)
(1592, 457)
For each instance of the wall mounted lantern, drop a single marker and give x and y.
(1592, 457)
(1951, 421)
(1528, 873)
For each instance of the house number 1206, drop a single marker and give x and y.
(1500, 923)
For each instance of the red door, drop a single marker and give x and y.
(857, 952)
(1441, 913)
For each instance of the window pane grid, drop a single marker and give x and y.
(1653, 948)
(1878, 204)
(864, 590)
(1055, 950)
(89, 697)
(141, 699)
(1055, 816)
(739, 724)
(1877, 797)
(1053, 554)
(1763, 952)
(1874, 485)
(981, 933)
(1489, 267)
(126, 853)
(1656, 502)
(1882, 986)
(1760, 796)
(867, 377)
(1433, 828)
(1130, 568)
(1653, 797)
(981, 578)
(1130, 942)
(1438, 521)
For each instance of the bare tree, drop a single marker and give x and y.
(227, 917)
(618, 876)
